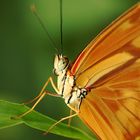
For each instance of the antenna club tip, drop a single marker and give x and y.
(33, 8)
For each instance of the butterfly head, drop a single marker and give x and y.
(61, 64)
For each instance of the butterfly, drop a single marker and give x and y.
(103, 84)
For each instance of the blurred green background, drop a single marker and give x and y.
(26, 54)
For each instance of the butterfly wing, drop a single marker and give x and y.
(110, 67)
(117, 43)
(112, 111)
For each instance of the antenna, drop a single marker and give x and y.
(61, 25)
(33, 9)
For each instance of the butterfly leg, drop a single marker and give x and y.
(35, 104)
(70, 119)
(62, 119)
(42, 90)
(40, 97)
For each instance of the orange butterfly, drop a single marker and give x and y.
(103, 84)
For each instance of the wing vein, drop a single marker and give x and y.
(130, 111)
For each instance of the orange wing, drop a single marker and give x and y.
(110, 67)
(112, 111)
(115, 46)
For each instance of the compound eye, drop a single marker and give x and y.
(54, 71)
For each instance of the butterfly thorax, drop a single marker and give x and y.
(67, 88)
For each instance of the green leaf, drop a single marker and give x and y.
(36, 120)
